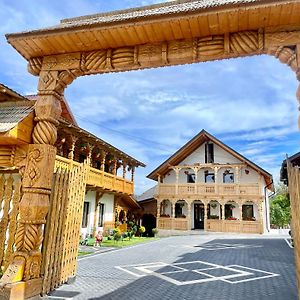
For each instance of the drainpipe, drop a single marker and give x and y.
(267, 212)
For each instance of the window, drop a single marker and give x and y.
(247, 212)
(228, 177)
(228, 211)
(209, 153)
(209, 177)
(85, 217)
(178, 209)
(101, 214)
(190, 178)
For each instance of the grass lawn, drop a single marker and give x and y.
(122, 243)
(82, 253)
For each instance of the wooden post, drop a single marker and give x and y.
(205, 216)
(36, 188)
(189, 216)
(124, 170)
(132, 173)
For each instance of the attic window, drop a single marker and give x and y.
(209, 153)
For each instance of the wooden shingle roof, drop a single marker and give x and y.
(11, 113)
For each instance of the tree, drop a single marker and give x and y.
(280, 211)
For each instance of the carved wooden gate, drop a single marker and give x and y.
(60, 248)
(294, 191)
(9, 208)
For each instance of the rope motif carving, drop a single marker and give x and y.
(210, 46)
(244, 42)
(93, 61)
(122, 57)
(44, 132)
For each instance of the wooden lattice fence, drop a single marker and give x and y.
(294, 191)
(60, 248)
(10, 195)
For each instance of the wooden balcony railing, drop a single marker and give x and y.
(97, 177)
(208, 189)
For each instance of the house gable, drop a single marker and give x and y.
(193, 152)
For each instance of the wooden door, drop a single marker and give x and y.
(198, 216)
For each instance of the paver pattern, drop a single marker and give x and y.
(204, 267)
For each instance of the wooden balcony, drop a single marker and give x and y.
(208, 189)
(97, 177)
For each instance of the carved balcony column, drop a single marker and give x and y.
(124, 169)
(103, 159)
(205, 216)
(189, 208)
(89, 154)
(223, 211)
(132, 173)
(73, 140)
(241, 209)
(114, 170)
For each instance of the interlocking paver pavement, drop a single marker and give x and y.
(168, 268)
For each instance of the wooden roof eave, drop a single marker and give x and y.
(81, 26)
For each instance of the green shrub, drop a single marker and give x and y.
(117, 236)
(154, 231)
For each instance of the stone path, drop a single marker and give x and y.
(203, 267)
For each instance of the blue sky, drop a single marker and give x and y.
(247, 103)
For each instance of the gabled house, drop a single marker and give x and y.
(207, 185)
(109, 185)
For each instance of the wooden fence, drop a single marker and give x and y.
(60, 248)
(294, 191)
(10, 195)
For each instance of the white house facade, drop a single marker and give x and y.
(207, 185)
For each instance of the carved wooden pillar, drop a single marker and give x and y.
(205, 216)
(36, 188)
(124, 170)
(223, 211)
(189, 221)
(73, 140)
(114, 171)
(172, 210)
(103, 158)
(132, 173)
(89, 154)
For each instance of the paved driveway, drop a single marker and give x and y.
(189, 267)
